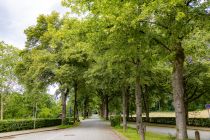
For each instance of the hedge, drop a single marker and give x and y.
(69, 121)
(115, 120)
(15, 125)
(200, 122)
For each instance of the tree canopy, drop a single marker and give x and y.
(153, 52)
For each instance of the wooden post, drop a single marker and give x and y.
(197, 135)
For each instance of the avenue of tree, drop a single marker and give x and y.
(117, 57)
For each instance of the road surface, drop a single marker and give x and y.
(90, 129)
(95, 129)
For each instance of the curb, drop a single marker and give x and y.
(23, 133)
(122, 137)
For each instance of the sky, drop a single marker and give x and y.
(17, 15)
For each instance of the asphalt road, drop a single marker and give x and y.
(90, 129)
(96, 129)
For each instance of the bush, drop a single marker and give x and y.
(68, 121)
(15, 125)
(203, 122)
(115, 121)
(200, 122)
(163, 120)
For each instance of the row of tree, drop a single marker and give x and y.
(16, 102)
(127, 49)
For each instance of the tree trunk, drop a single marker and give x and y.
(63, 117)
(186, 111)
(107, 107)
(124, 106)
(178, 94)
(139, 122)
(102, 108)
(186, 103)
(146, 102)
(128, 103)
(2, 107)
(85, 108)
(76, 115)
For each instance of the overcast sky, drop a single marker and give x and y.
(17, 15)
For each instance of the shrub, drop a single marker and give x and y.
(200, 122)
(68, 121)
(115, 121)
(203, 122)
(14, 125)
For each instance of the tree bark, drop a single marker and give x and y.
(64, 96)
(128, 103)
(146, 102)
(85, 113)
(139, 122)
(107, 107)
(76, 115)
(186, 111)
(102, 108)
(124, 106)
(178, 93)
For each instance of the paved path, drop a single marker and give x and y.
(90, 129)
(205, 135)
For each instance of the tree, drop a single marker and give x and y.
(8, 57)
(40, 64)
(173, 23)
(196, 79)
(120, 37)
(56, 51)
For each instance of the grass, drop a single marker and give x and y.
(132, 134)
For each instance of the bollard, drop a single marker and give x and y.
(197, 135)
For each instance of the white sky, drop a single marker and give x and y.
(17, 15)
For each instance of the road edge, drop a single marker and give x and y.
(18, 133)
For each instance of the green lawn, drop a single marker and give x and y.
(131, 134)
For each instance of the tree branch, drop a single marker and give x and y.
(194, 93)
(162, 44)
(195, 98)
(156, 23)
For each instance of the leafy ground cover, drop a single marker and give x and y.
(132, 134)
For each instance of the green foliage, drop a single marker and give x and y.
(19, 106)
(115, 120)
(8, 59)
(200, 122)
(15, 125)
(69, 121)
(131, 134)
(116, 43)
